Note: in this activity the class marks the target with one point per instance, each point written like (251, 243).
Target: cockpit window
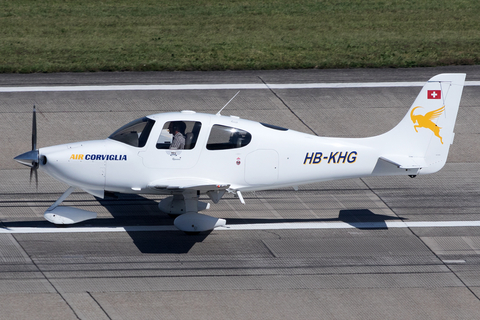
(179, 135)
(223, 137)
(134, 133)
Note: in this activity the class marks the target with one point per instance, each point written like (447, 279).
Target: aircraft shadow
(363, 219)
(138, 210)
(135, 210)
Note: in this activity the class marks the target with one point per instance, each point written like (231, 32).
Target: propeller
(31, 158)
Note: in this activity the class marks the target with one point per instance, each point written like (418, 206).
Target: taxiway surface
(377, 251)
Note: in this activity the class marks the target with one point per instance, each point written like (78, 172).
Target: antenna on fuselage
(218, 113)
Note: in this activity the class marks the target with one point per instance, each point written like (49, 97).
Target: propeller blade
(34, 129)
(33, 170)
(36, 178)
(31, 158)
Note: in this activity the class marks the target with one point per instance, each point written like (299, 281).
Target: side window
(179, 135)
(223, 137)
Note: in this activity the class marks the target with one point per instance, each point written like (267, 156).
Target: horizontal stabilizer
(405, 162)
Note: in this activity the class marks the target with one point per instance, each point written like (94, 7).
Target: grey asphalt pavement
(349, 273)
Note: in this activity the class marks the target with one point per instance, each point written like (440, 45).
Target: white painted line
(240, 86)
(436, 224)
(454, 261)
(86, 229)
(344, 225)
(345, 85)
(259, 226)
(135, 87)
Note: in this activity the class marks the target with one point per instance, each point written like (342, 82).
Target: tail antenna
(218, 113)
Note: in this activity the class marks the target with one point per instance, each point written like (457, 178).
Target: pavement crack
(286, 105)
(99, 305)
(47, 279)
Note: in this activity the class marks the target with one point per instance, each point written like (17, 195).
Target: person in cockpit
(177, 129)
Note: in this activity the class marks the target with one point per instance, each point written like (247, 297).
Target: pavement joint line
(472, 245)
(270, 208)
(306, 206)
(240, 86)
(259, 226)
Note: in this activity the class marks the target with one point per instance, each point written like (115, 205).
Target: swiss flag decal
(434, 94)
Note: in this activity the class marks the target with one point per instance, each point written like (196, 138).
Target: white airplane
(215, 154)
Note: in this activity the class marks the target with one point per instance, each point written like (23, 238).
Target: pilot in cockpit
(177, 129)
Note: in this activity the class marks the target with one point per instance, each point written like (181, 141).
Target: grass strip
(143, 35)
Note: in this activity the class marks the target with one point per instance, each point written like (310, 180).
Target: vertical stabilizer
(422, 139)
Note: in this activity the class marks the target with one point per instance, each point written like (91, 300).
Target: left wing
(182, 184)
(215, 191)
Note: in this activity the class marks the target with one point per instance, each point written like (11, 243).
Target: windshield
(134, 133)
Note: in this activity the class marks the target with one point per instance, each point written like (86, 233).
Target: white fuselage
(273, 158)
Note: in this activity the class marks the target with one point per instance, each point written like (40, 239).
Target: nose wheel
(184, 207)
(62, 216)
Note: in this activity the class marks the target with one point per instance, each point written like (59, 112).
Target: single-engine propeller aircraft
(215, 154)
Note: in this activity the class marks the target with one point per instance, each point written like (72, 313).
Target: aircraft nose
(29, 159)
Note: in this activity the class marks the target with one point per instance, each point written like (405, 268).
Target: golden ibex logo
(426, 121)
